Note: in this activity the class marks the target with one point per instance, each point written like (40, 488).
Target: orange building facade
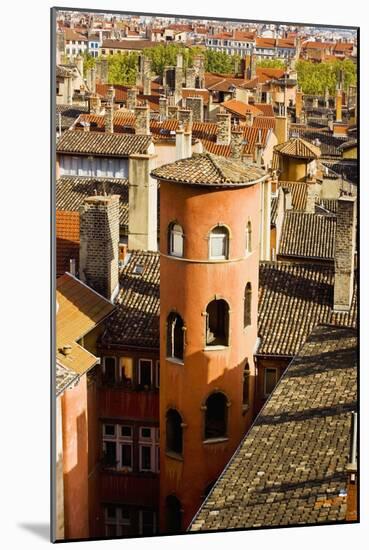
(208, 333)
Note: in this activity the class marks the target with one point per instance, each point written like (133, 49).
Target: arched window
(174, 440)
(247, 306)
(248, 238)
(216, 416)
(175, 336)
(173, 514)
(175, 240)
(219, 243)
(246, 384)
(217, 323)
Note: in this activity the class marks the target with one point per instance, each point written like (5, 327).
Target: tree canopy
(314, 78)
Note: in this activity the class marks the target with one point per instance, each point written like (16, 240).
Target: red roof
(240, 108)
(67, 240)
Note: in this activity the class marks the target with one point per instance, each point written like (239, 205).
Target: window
(217, 323)
(117, 521)
(148, 449)
(173, 514)
(219, 238)
(216, 416)
(246, 384)
(175, 336)
(118, 446)
(145, 374)
(247, 306)
(248, 238)
(270, 380)
(174, 440)
(175, 240)
(146, 522)
(109, 370)
(103, 52)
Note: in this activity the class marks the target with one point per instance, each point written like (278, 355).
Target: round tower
(209, 256)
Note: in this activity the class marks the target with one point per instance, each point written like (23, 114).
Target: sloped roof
(298, 193)
(293, 299)
(290, 469)
(309, 236)
(240, 108)
(65, 378)
(102, 143)
(79, 310)
(135, 323)
(67, 240)
(209, 169)
(298, 148)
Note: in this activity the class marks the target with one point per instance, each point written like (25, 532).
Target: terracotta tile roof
(329, 144)
(317, 45)
(290, 469)
(71, 191)
(135, 323)
(122, 120)
(329, 204)
(70, 34)
(251, 136)
(194, 92)
(267, 122)
(206, 130)
(267, 73)
(79, 310)
(345, 168)
(262, 42)
(127, 44)
(309, 236)
(299, 148)
(67, 240)
(209, 169)
(293, 299)
(102, 143)
(240, 108)
(266, 108)
(240, 36)
(65, 378)
(298, 192)
(273, 210)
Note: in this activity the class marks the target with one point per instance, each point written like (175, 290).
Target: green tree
(314, 78)
(122, 68)
(88, 62)
(271, 63)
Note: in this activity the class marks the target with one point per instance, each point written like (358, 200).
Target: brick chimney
(253, 66)
(190, 77)
(93, 80)
(199, 66)
(131, 98)
(178, 79)
(109, 110)
(99, 240)
(196, 104)
(104, 71)
(94, 104)
(142, 200)
(79, 63)
(163, 108)
(146, 81)
(142, 113)
(344, 255)
(224, 128)
(185, 116)
(237, 143)
(311, 195)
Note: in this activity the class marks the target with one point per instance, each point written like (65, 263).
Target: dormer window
(175, 240)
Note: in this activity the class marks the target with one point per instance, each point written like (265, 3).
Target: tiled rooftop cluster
(102, 143)
(290, 468)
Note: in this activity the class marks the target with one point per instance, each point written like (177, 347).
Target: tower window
(217, 323)
(246, 384)
(247, 306)
(216, 416)
(174, 441)
(248, 238)
(175, 240)
(175, 336)
(173, 514)
(219, 243)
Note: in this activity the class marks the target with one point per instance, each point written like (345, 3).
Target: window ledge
(215, 348)
(215, 440)
(173, 455)
(175, 360)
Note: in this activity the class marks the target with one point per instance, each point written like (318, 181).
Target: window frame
(118, 439)
(118, 522)
(152, 442)
(247, 305)
(226, 238)
(226, 419)
(171, 237)
(116, 377)
(275, 369)
(139, 375)
(172, 319)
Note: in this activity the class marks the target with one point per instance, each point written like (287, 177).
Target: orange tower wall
(187, 286)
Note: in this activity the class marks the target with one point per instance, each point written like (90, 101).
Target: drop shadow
(41, 530)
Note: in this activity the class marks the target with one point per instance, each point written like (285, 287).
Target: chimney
(109, 110)
(199, 65)
(224, 128)
(196, 104)
(298, 105)
(131, 98)
(93, 80)
(311, 196)
(142, 113)
(237, 143)
(253, 66)
(79, 63)
(104, 71)
(142, 200)
(287, 199)
(178, 79)
(187, 149)
(146, 79)
(69, 90)
(163, 108)
(344, 255)
(281, 129)
(99, 239)
(172, 111)
(88, 79)
(94, 104)
(315, 103)
(338, 105)
(190, 77)
(185, 116)
(180, 145)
